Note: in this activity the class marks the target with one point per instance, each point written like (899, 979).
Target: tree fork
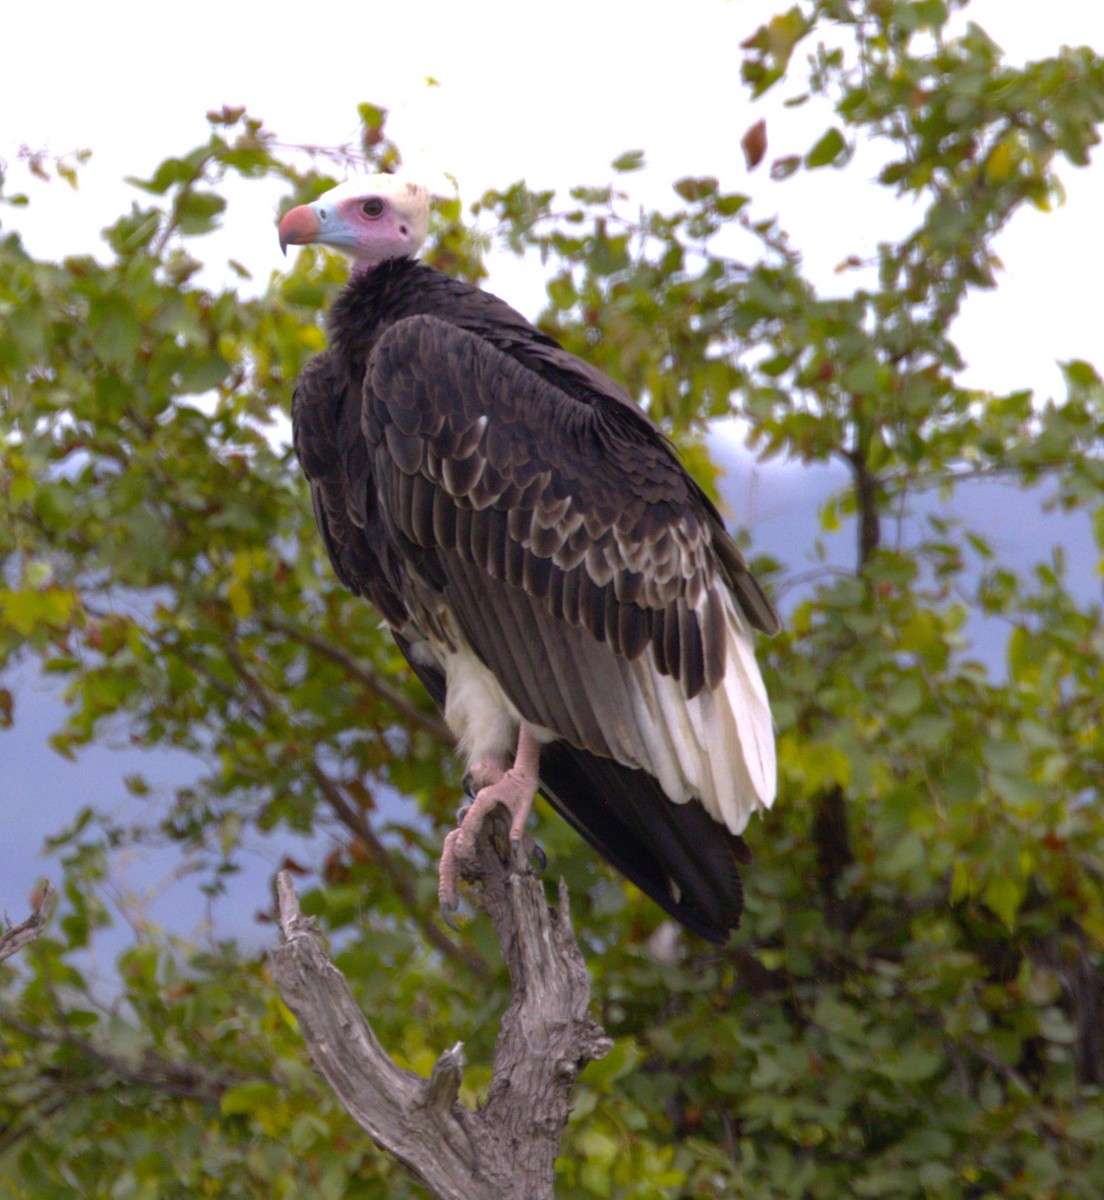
(507, 1149)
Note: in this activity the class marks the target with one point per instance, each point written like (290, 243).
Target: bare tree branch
(409, 712)
(14, 939)
(182, 1081)
(507, 1149)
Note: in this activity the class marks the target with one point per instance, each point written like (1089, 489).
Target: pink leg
(515, 790)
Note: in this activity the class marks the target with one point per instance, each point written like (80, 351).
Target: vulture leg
(514, 789)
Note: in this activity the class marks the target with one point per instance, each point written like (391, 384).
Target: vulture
(562, 587)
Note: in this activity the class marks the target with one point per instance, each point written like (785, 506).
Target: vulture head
(372, 218)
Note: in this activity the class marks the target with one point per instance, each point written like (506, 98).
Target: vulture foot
(514, 790)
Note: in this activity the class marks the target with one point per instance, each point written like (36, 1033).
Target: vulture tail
(675, 853)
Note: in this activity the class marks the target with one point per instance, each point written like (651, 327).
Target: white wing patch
(718, 747)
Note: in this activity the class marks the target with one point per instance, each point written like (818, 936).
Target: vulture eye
(372, 208)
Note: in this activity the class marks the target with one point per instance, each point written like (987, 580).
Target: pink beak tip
(298, 227)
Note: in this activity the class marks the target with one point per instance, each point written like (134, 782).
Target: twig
(368, 679)
(14, 939)
(507, 1149)
(177, 1079)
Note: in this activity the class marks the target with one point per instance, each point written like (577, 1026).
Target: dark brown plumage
(522, 526)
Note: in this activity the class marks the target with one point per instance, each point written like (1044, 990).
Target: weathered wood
(507, 1149)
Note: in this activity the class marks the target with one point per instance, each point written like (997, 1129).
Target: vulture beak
(299, 226)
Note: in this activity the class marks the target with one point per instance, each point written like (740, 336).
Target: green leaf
(1002, 160)
(631, 160)
(561, 291)
(30, 611)
(783, 32)
(783, 168)
(910, 1064)
(906, 855)
(115, 330)
(244, 1099)
(372, 116)
(827, 150)
(196, 211)
(200, 373)
(962, 880)
(1003, 895)
(694, 189)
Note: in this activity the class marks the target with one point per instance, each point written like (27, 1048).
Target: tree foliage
(915, 1003)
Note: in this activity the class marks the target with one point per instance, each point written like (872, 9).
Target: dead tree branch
(14, 939)
(506, 1150)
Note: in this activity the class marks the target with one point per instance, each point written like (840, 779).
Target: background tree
(915, 1003)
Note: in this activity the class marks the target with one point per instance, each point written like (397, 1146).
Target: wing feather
(336, 462)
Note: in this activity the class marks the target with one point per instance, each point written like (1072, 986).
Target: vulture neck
(374, 296)
(362, 267)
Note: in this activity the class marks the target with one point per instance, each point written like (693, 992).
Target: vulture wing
(579, 561)
(337, 463)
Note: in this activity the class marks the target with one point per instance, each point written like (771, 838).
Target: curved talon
(449, 909)
(461, 813)
(470, 787)
(539, 857)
